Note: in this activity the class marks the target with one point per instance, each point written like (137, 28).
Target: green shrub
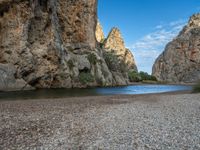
(102, 40)
(70, 64)
(146, 76)
(101, 45)
(142, 76)
(150, 82)
(112, 61)
(92, 58)
(196, 88)
(153, 78)
(85, 78)
(134, 76)
(123, 67)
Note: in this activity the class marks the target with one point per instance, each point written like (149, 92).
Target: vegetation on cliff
(141, 76)
(52, 44)
(85, 77)
(196, 88)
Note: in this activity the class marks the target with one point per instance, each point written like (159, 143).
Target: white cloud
(148, 48)
(159, 27)
(178, 22)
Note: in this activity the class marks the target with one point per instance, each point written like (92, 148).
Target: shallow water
(61, 93)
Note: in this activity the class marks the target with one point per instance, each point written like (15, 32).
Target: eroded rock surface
(51, 44)
(115, 44)
(124, 61)
(99, 33)
(8, 80)
(180, 62)
(44, 40)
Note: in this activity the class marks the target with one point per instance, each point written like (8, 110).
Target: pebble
(149, 122)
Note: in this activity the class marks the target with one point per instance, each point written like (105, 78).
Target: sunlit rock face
(115, 43)
(46, 44)
(99, 33)
(180, 62)
(51, 44)
(118, 58)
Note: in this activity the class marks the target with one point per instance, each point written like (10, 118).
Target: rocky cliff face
(50, 44)
(99, 33)
(180, 62)
(115, 44)
(120, 60)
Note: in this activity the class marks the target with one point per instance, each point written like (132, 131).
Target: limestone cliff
(99, 33)
(51, 44)
(115, 43)
(122, 58)
(180, 62)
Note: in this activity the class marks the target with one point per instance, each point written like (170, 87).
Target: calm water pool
(61, 93)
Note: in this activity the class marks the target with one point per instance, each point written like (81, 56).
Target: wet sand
(153, 121)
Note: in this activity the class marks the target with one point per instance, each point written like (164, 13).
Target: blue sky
(146, 25)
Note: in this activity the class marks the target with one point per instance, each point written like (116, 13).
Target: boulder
(8, 81)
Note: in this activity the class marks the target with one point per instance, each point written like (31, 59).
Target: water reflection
(61, 93)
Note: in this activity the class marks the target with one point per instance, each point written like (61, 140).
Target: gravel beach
(154, 121)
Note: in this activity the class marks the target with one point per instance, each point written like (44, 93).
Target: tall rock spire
(99, 33)
(115, 43)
